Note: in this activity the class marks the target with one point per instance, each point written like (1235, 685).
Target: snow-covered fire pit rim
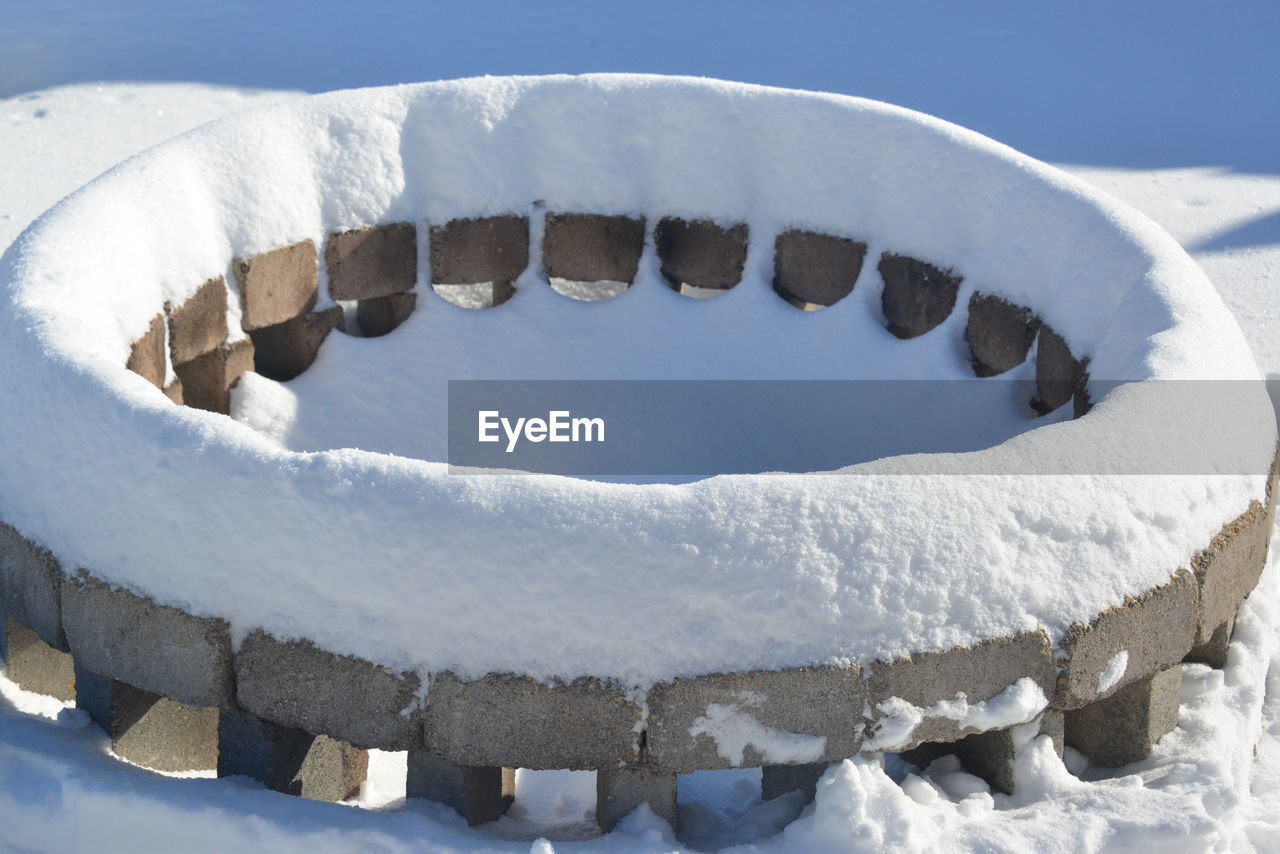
(398, 563)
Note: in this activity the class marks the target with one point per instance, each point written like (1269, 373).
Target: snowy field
(1174, 114)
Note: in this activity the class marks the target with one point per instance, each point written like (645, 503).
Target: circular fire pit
(275, 592)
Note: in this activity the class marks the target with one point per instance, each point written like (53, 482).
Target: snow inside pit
(323, 511)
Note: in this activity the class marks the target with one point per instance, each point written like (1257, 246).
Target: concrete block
(478, 794)
(1154, 631)
(31, 587)
(160, 649)
(699, 724)
(470, 251)
(276, 286)
(289, 760)
(1213, 651)
(146, 356)
(295, 684)
(592, 247)
(1229, 568)
(206, 381)
(999, 334)
(516, 721)
(917, 296)
(1058, 373)
(779, 780)
(979, 672)
(283, 351)
(34, 665)
(147, 729)
(815, 269)
(619, 791)
(381, 315)
(199, 325)
(990, 755)
(173, 391)
(700, 253)
(1123, 727)
(372, 262)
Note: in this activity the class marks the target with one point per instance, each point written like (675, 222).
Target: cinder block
(31, 587)
(1058, 373)
(516, 721)
(295, 684)
(1155, 630)
(173, 391)
(289, 760)
(779, 780)
(34, 665)
(199, 325)
(990, 755)
(592, 247)
(979, 672)
(283, 351)
(372, 262)
(276, 286)
(701, 253)
(705, 723)
(999, 334)
(118, 634)
(478, 794)
(917, 296)
(146, 357)
(381, 315)
(1123, 727)
(147, 729)
(815, 269)
(620, 790)
(1213, 651)
(1229, 568)
(206, 381)
(470, 251)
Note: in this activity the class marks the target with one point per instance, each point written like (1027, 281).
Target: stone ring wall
(176, 689)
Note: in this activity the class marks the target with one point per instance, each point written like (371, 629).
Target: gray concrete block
(1058, 373)
(990, 755)
(295, 684)
(819, 702)
(174, 392)
(381, 315)
(979, 672)
(700, 253)
(147, 729)
(917, 296)
(199, 325)
(289, 760)
(31, 587)
(283, 351)
(592, 247)
(516, 721)
(815, 269)
(1229, 568)
(1155, 630)
(33, 665)
(619, 791)
(1213, 651)
(276, 286)
(1123, 727)
(146, 356)
(779, 780)
(154, 647)
(470, 251)
(206, 381)
(372, 262)
(478, 794)
(999, 334)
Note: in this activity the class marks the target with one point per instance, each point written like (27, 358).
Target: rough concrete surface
(701, 253)
(999, 334)
(815, 269)
(276, 286)
(199, 325)
(283, 351)
(372, 262)
(917, 296)
(592, 247)
(1123, 727)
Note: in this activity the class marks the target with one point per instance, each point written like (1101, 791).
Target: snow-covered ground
(1174, 113)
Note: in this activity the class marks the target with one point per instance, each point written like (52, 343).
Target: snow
(1016, 704)
(1114, 671)
(733, 729)
(1192, 142)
